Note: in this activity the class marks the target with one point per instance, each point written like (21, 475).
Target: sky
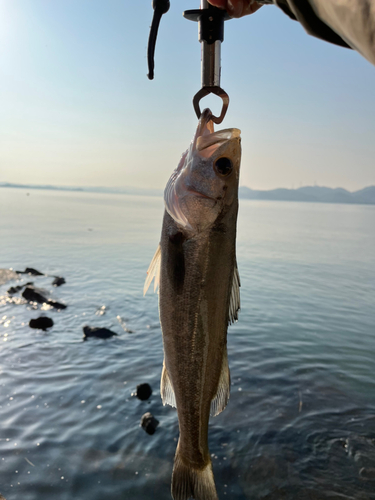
(77, 109)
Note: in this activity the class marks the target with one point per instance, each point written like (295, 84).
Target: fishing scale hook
(210, 34)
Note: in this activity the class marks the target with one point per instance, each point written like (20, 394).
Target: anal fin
(220, 401)
(166, 389)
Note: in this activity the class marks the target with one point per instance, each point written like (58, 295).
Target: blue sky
(77, 107)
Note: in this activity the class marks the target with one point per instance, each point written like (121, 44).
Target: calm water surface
(300, 423)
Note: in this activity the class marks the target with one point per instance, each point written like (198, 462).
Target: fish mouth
(206, 137)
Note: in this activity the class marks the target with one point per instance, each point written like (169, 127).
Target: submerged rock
(143, 392)
(41, 323)
(33, 295)
(149, 423)
(94, 331)
(58, 281)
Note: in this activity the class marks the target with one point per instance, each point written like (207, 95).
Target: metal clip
(203, 92)
(211, 34)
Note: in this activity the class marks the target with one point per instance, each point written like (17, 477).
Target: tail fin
(192, 483)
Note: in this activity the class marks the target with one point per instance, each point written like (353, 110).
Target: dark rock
(56, 305)
(32, 295)
(94, 331)
(144, 391)
(41, 323)
(14, 289)
(149, 423)
(58, 281)
(30, 270)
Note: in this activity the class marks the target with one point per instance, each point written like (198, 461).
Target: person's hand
(237, 8)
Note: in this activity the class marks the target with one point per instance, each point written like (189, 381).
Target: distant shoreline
(312, 194)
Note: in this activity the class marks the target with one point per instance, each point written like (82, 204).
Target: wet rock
(56, 305)
(149, 423)
(58, 281)
(41, 323)
(14, 289)
(101, 333)
(143, 391)
(1, 497)
(32, 271)
(32, 295)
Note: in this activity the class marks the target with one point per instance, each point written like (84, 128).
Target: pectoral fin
(166, 390)
(220, 401)
(234, 304)
(153, 271)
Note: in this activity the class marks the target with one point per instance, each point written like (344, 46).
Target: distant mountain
(318, 194)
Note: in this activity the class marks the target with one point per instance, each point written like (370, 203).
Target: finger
(237, 8)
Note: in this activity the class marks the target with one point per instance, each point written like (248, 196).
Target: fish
(195, 271)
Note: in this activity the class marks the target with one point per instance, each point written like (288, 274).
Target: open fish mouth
(206, 137)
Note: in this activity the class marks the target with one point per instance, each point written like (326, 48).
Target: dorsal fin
(234, 303)
(153, 271)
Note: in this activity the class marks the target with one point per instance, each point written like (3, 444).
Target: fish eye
(224, 166)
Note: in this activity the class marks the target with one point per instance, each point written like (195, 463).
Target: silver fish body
(195, 267)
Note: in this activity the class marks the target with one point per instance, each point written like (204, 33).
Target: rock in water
(58, 281)
(41, 323)
(32, 271)
(32, 295)
(101, 333)
(56, 305)
(14, 289)
(144, 391)
(149, 423)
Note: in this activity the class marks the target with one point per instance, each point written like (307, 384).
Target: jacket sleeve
(349, 23)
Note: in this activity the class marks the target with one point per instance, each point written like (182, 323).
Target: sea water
(300, 423)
